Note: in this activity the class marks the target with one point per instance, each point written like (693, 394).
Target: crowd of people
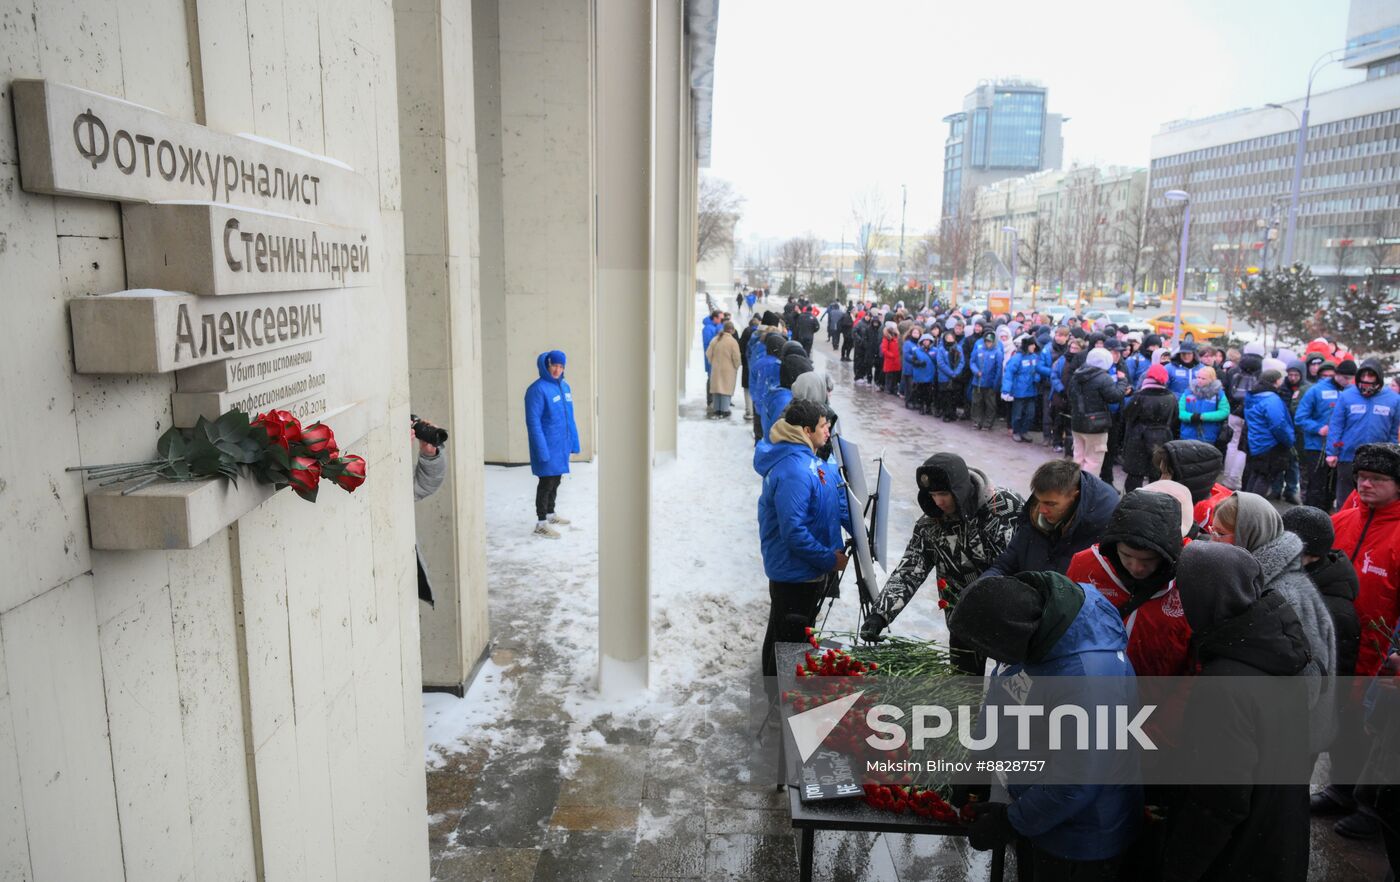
(1190, 570)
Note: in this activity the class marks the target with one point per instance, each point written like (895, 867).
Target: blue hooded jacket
(1315, 411)
(919, 362)
(1081, 822)
(708, 330)
(549, 420)
(1179, 377)
(1135, 366)
(774, 404)
(986, 363)
(1022, 371)
(767, 371)
(1358, 420)
(799, 512)
(949, 362)
(1268, 422)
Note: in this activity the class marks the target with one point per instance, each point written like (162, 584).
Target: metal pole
(1013, 270)
(903, 201)
(1181, 274)
(1297, 180)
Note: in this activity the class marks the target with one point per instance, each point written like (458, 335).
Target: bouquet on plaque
(273, 447)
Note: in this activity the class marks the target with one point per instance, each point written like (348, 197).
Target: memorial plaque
(73, 142)
(152, 332)
(219, 249)
(233, 374)
(305, 390)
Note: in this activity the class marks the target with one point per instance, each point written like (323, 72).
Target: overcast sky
(819, 101)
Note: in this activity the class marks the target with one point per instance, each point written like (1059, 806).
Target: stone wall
(248, 708)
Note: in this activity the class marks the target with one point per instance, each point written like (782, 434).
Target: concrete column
(666, 280)
(437, 141)
(686, 291)
(625, 65)
(532, 65)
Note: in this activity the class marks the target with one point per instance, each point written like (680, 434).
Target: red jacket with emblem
(1159, 639)
(1371, 539)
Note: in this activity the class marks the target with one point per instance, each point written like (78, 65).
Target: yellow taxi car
(1191, 323)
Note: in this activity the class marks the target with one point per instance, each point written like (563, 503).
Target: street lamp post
(1180, 196)
(1012, 231)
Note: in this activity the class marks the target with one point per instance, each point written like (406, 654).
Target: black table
(844, 814)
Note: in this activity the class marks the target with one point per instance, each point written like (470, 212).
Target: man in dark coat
(1196, 465)
(1066, 513)
(967, 522)
(744, 340)
(1236, 829)
(804, 329)
(845, 331)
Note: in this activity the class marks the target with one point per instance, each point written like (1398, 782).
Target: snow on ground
(709, 599)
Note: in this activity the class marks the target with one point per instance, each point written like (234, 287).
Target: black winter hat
(945, 473)
(1383, 459)
(773, 344)
(771, 319)
(1313, 526)
(1187, 346)
(999, 615)
(1152, 340)
(1347, 368)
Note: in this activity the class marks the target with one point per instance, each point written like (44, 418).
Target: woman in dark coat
(1233, 829)
(1149, 421)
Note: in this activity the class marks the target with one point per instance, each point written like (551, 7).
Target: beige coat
(724, 364)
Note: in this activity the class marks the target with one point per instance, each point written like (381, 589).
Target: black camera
(426, 433)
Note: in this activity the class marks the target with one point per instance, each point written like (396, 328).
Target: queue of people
(1189, 571)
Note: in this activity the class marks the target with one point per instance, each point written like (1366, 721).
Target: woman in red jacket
(892, 357)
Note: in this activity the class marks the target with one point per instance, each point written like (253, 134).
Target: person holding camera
(553, 434)
(428, 475)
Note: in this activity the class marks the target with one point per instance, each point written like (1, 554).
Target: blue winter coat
(948, 361)
(1209, 429)
(1358, 420)
(1268, 422)
(986, 363)
(919, 364)
(774, 404)
(767, 370)
(1022, 371)
(549, 423)
(1135, 366)
(1083, 822)
(1315, 411)
(1057, 375)
(799, 512)
(1180, 377)
(708, 330)
(905, 348)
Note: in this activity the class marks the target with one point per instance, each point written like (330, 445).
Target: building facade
(1004, 130)
(213, 681)
(1238, 169)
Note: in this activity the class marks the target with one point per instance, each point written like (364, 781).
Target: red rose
(942, 604)
(349, 472)
(282, 428)
(317, 438)
(305, 477)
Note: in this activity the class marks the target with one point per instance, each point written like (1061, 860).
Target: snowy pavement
(532, 777)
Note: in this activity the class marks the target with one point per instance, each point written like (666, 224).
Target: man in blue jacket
(1313, 414)
(1367, 413)
(799, 524)
(549, 423)
(1018, 385)
(767, 372)
(986, 363)
(1269, 430)
(1182, 370)
(1040, 626)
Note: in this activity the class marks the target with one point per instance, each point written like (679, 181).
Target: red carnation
(349, 472)
(305, 477)
(282, 428)
(317, 438)
(942, 604)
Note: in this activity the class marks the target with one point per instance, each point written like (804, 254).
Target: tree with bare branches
(868, 211)
(719, 210)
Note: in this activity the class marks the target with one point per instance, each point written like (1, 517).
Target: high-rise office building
(1003, 131)
(1238, 168)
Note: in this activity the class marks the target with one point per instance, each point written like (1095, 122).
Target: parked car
(1191, 323)
(1140, 299)
(1120, 318)
(1195, 295)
